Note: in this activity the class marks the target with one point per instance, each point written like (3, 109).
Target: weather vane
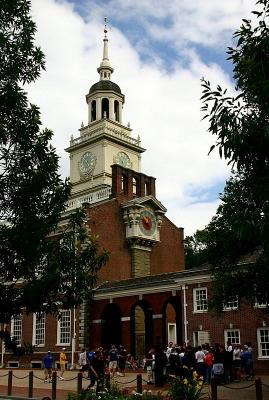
(105, 29)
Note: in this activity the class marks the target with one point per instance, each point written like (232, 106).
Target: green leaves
(238, 232)
(35, 272)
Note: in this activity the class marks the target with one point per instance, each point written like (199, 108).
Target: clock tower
(103, 142)
(105, 172)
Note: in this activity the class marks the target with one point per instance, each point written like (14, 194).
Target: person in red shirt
(208, 360)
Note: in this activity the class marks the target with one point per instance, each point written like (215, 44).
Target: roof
(105, 85)
(151, 280)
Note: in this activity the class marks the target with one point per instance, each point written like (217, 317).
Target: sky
(159, 51)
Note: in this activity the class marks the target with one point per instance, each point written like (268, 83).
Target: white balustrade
(91, 198)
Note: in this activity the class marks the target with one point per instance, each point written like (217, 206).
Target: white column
(185, 322)
(98, 108)
(111, 108)
(120, 112)
(89, 112)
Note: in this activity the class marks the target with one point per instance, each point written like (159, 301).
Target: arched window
(105, 75)
(93, 110)
(116, 110)
(105, 108)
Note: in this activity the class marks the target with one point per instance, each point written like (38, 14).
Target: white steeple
(105, 70)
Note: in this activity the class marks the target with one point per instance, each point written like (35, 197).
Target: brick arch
(148, 325)
(175, 302)
(111, 325)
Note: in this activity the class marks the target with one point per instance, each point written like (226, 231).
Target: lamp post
(3, 326)
(73, 344)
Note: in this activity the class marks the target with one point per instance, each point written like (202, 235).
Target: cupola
(105, 99)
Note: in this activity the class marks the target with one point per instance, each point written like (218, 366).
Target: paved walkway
(236, 391)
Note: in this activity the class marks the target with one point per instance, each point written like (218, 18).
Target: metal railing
(53, 390)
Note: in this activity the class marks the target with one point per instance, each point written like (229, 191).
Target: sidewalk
(244, 390)
(20, 383)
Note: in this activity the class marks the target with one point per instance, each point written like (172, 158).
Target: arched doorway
(172, 321)
(141, 328)
(111, 327)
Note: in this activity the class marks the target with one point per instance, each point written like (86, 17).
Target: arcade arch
(111, 326)
(141, 328)
(172, 320)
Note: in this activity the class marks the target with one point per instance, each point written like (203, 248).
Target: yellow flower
(185, 381)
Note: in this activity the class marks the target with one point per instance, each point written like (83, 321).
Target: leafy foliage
(241, 126)
(196, 249)
(35, 273)
(186, 389)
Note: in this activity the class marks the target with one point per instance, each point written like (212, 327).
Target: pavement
(244, 390)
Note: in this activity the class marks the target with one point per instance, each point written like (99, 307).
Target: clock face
(87, 162)
(147, 222)
(123, 159)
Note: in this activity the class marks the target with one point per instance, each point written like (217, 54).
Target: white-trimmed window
(39, 321)
(231, 304)
(64, 328)
(233, 335)
(263, 342)
(261, 305)
(200, 338)
(16, 329)
(200, 300)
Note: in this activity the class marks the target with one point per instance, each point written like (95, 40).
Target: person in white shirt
(200, 364)
(83, 362)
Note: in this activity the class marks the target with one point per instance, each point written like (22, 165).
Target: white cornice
(177, 285)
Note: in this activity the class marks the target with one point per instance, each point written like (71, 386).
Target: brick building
(144, 293)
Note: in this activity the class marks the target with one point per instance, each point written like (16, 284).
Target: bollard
(258, 386)
(54, 385)
(139, 383)
(31, 382)
(79, 383)
(9, 385)
(214, 389)
(107, 381)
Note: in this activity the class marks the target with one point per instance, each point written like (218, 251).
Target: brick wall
(168, 255)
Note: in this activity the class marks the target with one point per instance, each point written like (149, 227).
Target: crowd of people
(224, 363)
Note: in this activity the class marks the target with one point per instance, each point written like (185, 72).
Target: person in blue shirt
(48, 362)
(247, 361)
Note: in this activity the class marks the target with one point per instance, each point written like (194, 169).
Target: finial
(105, 28)
(105, 69)
(82, 125)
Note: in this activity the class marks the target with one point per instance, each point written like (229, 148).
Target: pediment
(146, 201)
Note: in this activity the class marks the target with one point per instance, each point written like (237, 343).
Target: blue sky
(159, 51)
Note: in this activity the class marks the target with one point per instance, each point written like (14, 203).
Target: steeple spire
(105, 70)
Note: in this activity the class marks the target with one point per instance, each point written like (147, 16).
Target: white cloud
(163, 107)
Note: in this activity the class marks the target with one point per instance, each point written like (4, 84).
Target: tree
(35, 273)
(241, 126)
(196, 249)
